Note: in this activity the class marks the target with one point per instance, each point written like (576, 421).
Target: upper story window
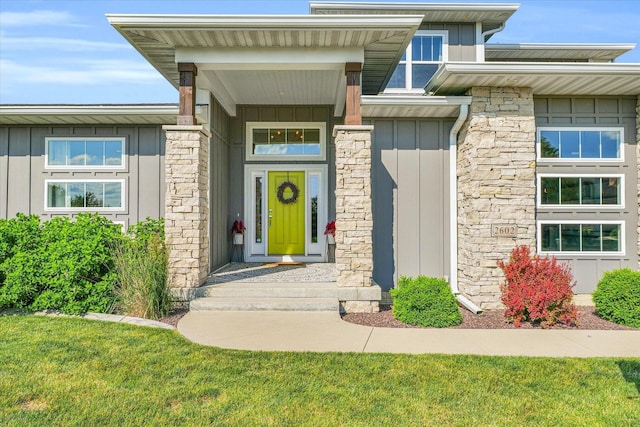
(286, 141)
(580, 144)
(85, 153)
(427, 50)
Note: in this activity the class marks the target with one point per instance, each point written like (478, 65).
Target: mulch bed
(174, 317)
(490, 319)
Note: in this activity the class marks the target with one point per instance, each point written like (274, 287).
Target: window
(84, 153)
(90, 195)
(580, 237)
(579, 144)
(285, 141)
(583, 191)
(314, 190)
(427, 50)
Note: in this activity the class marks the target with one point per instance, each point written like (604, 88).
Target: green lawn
(70, 371)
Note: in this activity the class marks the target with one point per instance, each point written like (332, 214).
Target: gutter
(487, 34)
(453, 212)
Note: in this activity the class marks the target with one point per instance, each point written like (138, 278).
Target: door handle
(270, 217)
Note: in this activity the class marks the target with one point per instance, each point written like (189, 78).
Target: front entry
(281, 225)
(286, 212)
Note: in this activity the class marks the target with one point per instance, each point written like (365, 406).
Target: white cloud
(36, 17)
(89, 72)
(57, 43)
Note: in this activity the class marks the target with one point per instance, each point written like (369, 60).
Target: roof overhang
(88, 114)
(455, 78)
(600, 52)
(491, 15)
(281, 59)
(386, 106)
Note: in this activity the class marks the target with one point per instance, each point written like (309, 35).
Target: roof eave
(545, 72)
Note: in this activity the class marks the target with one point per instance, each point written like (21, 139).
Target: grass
(68, 371)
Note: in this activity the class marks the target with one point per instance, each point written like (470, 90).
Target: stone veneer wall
(496, 186)
(354, 218)
(187, 205)
(638, 166)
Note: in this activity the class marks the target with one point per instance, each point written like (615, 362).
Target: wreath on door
(295, 192)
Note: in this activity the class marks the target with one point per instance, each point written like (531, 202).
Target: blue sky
(66, 51)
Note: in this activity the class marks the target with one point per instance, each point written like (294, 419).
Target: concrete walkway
(327, 332)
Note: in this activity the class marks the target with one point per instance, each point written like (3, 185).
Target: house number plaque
(504, 230)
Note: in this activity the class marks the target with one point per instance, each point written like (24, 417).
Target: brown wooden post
(352, 108)
(187, 109)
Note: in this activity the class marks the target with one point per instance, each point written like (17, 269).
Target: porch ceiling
(544, 78)
(216, 43)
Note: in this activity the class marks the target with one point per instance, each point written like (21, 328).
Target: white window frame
(321, 126)
(579, 207)
(123, 226)
(621, 238)
(122, 140)
(579, 129)
(122, 208)
(408, 62)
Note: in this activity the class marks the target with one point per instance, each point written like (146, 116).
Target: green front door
(285, 216)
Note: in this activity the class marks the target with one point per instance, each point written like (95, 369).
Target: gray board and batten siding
(585, 112)
(219, 194)
(23, 172)
(461, 39)
(410, 198)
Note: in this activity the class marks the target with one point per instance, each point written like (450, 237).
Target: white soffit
(546, 78)
(88, 114)
(546, 51)
(491, 15)
(386, 106)
(161, 39)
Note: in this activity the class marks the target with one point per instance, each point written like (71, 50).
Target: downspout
(453, 211)
(492, 32)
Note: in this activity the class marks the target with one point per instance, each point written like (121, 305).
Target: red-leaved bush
(537, 289)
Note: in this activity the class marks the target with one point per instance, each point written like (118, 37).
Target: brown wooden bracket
(187, 108)
(353, 71)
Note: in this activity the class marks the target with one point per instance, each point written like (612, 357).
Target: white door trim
(258, 252)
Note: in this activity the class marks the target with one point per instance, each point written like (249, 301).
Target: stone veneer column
(187, 204)
(638, 167)
(354, 218)
(496, 186)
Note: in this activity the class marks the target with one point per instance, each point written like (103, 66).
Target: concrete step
(250, 290)
(264, 304)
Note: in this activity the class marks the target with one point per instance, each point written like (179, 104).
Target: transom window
(285, 141)
(588, 190)
(427, 50)
(88, 195)
(580, 143)
(580, 237)
(85, 153)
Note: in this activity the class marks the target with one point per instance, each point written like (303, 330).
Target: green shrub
(66, 264)
(617, 297)
(425, 301)
(141, 267)
(17, 235)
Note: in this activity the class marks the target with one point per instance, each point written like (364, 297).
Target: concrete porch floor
(255, 272)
